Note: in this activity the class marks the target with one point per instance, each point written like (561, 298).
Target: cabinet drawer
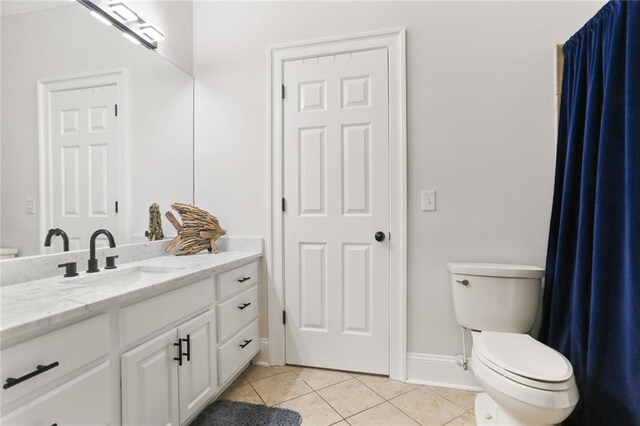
(237, 312)
(144, 318)
(231, 355)
(236, 280)
(63, 351)
(85, 400)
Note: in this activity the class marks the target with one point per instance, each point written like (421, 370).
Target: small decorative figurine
(155, 224)
(199, 230)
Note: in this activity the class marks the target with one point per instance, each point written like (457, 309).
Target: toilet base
(485, 409)
(489, 413)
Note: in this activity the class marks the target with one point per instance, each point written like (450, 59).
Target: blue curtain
(592, 285)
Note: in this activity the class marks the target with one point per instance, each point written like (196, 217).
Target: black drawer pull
(246, 343)
(39, 370)
(241, 280)
(188, 353)
(179, 357)
(244, 305)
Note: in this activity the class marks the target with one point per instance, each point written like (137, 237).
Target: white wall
(480, 127)
(175, 19)
(64, 41)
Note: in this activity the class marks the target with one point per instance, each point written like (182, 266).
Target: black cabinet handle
(39, 370)
(241, 280)
(246, 343)
(244, 305)
(188, 353)
(179, 357)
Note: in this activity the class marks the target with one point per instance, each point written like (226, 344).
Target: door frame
(394, 41)
(45, 88)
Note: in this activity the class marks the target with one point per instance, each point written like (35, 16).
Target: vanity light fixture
(151, 32)
(100, 18)
(103, 11)
(124, 12)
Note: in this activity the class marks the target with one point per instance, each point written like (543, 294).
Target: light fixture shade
(151, 32)
(123, 12)
(100, 18)
(130, 38)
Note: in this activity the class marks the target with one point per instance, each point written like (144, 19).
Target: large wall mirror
(94, 130)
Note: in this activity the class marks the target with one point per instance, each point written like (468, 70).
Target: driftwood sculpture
(155, 224)
(199, 230)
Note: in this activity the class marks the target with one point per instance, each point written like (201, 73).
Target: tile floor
(326, 397)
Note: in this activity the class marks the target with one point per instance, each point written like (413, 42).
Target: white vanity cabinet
(238, 334)
(166, 380)
(46, 362)
(156, 359)
(84, 400)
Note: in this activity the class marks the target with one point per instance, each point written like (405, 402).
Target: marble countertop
(33, 305)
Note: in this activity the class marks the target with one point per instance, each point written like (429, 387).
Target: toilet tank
(493, 297)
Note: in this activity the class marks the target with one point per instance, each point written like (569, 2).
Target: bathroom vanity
(151, 342)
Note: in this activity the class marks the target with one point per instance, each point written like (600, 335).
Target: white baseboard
(422, 369)
(439, 370)
(262, 358)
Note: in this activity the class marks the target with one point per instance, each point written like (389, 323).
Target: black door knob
(379, 236)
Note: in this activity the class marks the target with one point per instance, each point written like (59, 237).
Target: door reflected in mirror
(94, 130)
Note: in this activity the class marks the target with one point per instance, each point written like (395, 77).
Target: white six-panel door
(336, 186)
(84, 162)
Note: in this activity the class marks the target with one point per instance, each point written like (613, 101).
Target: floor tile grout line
(362, 411)
(331, 406)
(395, 396)
(268, 377)
(451, 401)
(417, 421)
(358, 379)
(445, 398)
(365, 385)
(405, 413)
(291, 399)
(452, 420)
(343, 417)
(257, 393)
(324, 387)
(400, 394)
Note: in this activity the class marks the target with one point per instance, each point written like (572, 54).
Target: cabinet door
(84, 400)
(198, 373)
(150, 383)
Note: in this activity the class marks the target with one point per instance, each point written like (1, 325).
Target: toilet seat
(521, 358)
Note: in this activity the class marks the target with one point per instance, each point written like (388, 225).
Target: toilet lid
(523, 355)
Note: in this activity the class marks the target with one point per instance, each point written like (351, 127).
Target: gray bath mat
(233, 413)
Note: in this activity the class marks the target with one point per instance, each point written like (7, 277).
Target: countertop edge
(181, 278)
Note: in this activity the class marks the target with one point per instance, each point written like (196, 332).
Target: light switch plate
(31, 206)
(428, 200)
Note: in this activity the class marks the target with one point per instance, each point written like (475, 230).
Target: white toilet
(526, 382)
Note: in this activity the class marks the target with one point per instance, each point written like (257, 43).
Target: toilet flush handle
(463, 282)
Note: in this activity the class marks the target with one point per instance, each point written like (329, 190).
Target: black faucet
(60, 232)
(93, 262)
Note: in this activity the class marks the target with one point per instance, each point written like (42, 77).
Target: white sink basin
(122, 276)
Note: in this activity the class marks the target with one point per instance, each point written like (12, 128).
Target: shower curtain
(592, 285)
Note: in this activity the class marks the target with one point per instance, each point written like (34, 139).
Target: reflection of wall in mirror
(158, 108)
